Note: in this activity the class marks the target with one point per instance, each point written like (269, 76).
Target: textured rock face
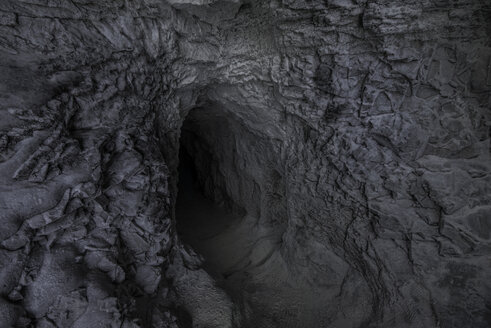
(357, 133)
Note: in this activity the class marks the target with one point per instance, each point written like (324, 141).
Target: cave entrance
(230, 209)
(207, 219)
(198, 216)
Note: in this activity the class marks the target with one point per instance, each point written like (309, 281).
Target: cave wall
(86, 201)
(361, 128)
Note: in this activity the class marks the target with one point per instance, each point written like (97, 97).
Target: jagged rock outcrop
(357, 132)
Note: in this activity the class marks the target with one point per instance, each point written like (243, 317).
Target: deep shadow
(198, 217)
(242, 254)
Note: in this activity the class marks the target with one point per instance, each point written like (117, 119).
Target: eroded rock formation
(352, 135)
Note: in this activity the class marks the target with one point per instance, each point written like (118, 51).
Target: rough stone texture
(358, 131)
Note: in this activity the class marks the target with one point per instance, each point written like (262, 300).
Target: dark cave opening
(207, 156)
(197, 215)
(204, 211)
(229, 209)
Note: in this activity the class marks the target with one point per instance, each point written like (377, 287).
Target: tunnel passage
(231, 210)
(207, 155)
(209, 201)
(226, 165)
(203, 207)
(211, 211)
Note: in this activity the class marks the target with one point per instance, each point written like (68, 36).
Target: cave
(232, 210)
(218, 212)
(245, 163)
(203, 207)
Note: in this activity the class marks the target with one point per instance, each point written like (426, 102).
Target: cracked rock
(245, 163)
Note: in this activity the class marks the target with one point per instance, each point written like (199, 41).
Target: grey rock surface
(351, 137)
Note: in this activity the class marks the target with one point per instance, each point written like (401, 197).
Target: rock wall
(358, 130)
